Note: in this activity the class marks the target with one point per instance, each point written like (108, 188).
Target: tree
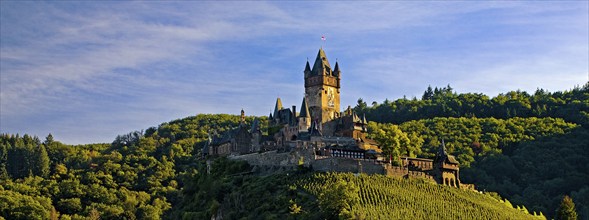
(41, 162)
(566, 210)
(3, 161)
(339, 199)
(428, 94)
(392, 139)
(48, 140)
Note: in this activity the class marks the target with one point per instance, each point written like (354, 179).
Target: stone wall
(273, 161)
(339, 164)
(273, 158)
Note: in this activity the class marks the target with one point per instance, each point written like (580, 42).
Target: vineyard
(382, 197)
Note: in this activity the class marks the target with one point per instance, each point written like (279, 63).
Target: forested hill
(569, 105)
(531, 157)
(531, 148)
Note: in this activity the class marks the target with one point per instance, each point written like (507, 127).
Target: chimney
(294, 111)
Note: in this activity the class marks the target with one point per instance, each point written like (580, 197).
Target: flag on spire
(323, 37)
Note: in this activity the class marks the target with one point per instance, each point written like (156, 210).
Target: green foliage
(566, 210)
(573, 106)
(537, 173)
(383, 197)
(138, 176)
(392, 140)
(468, 138)
(158, 173)
(14, 205)
(41, 162)
(338, 199)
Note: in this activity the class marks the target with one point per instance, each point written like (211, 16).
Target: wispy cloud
(86, 71)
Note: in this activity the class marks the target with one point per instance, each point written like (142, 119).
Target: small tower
(277, 108)
(304, 117)
(446, 167)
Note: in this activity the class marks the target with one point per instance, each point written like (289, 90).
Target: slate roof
(304, 109)
(321, 63)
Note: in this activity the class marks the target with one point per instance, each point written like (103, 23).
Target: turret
(277, 108)
(304, 117)
(336, 71)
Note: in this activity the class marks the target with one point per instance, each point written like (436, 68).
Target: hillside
(382, 197)
(532, 156)
(308, 195)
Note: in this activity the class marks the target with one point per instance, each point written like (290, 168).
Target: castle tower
(304, 117)
(322, 89)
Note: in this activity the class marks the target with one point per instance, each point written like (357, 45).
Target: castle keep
(322, 137)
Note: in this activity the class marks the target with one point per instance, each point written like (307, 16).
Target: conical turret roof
(321, 63)
(304, 109)
(336, 71)
(277, 107)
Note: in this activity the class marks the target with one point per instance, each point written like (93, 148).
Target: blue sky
(88, 71)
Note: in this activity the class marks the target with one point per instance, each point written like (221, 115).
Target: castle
(321, 136)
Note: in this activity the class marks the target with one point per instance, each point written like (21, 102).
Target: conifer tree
(48, 140)
(566, 210)
(41, 161)
(3, 161)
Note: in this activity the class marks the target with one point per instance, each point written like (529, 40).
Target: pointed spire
(304, 109)
(315, 129)
(277, 107)
(364, 119)
(255, 125)
(355, 117)
(270, 117)
(336, 71)
(321, 65)
(307, 67)
(443, 146)
(442, 151)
